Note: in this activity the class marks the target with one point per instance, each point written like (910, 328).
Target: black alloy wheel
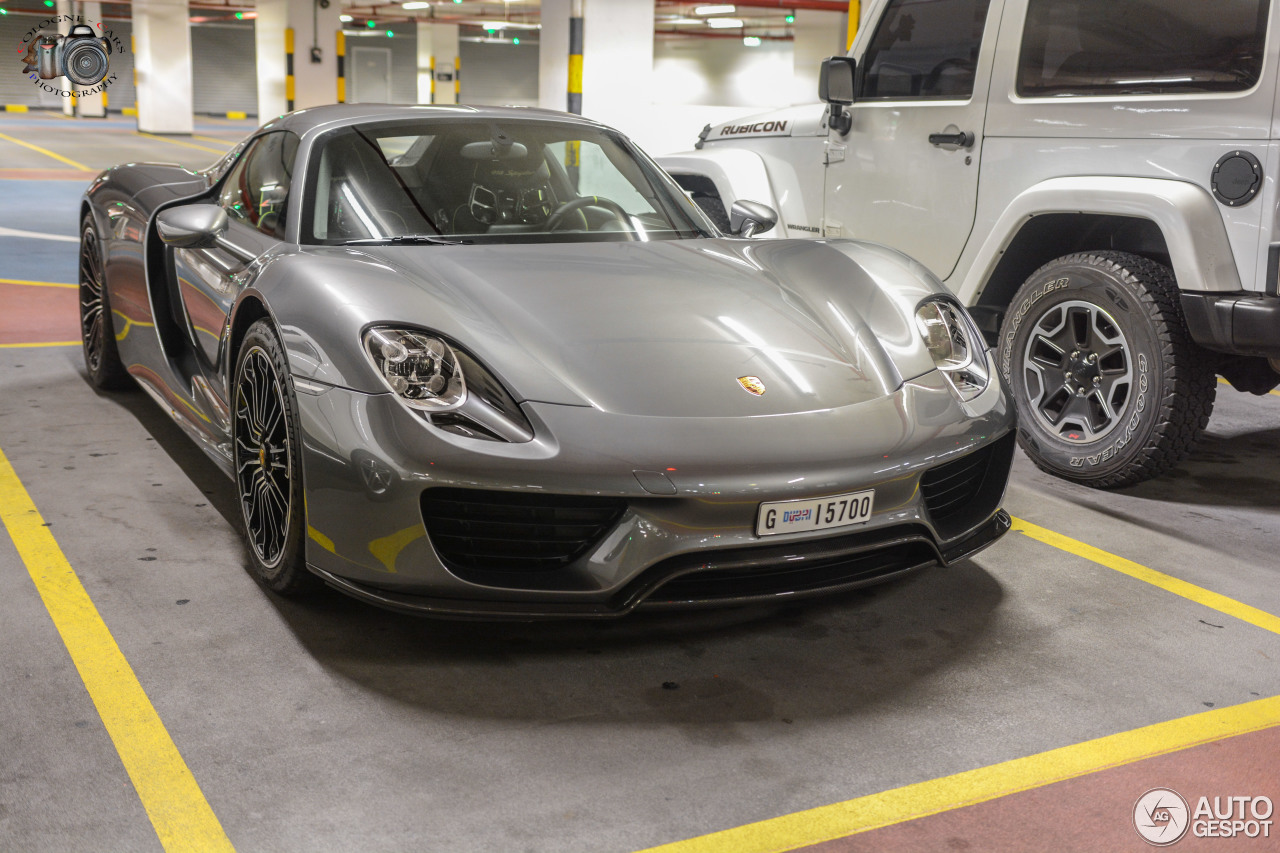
(267, 464)
(1110, 388)
(97, 331)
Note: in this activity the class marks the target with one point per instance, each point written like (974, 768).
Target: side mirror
(835, 87)
(748, 218)
(192, 226)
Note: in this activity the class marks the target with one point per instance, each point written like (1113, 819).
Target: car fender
(1185, 213)
(736, 173)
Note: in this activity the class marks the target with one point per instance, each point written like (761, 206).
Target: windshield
(490, 181)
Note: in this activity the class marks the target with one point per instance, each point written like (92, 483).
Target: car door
(906, 174)
(255, 196)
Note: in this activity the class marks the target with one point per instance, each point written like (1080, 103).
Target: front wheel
(268, 463)
(97, 331)
(1109, 386)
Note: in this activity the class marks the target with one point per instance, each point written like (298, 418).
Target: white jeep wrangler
(1095, 178)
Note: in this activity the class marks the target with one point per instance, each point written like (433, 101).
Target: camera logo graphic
(80, 56)
(1161, 817)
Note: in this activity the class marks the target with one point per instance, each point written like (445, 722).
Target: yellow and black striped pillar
(288, 69)
(855, 13)
(575, 58)
(342, 67)
(133, 52)
(457, 79)
(431, 66)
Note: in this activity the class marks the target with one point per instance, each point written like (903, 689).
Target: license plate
(818, 514)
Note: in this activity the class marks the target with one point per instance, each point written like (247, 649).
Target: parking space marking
(1200, 595)
(876, 811)
(178, 142)
(179, 812)
(41, 344)
(26, 283)
(72, 163)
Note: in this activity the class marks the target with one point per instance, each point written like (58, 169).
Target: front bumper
(368, 462)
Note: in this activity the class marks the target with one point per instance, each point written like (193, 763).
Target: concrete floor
(329, 725)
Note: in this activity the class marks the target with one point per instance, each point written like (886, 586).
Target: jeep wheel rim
(1078, 371)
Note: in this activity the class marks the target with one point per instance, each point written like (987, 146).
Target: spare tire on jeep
(1110, 388)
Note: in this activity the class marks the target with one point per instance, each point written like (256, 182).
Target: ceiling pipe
(789, 5)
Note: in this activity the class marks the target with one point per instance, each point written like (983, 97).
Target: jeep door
(906, 174)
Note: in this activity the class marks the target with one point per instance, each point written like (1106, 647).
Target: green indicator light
(4, 11)
(791, 19)
(370, 24)
(515, 41)
(239, 16)
(390, 34)
(49, 3)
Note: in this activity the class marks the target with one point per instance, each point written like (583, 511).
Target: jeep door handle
(963, 139)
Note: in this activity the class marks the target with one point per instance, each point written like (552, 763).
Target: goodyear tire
(1109, 386)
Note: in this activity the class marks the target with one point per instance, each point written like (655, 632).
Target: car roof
(337, 115)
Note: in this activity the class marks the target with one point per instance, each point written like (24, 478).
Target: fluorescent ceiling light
(751, 41)
(724, 23)
(346, 19)
(721, 9)
(415, 5)
(508, 25)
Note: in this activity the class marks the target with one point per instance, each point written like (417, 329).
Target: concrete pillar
(443, 48)
(162, 55)
(426, 65)
(315, 60)
(818, 35)
(93, 106)
(617, 58)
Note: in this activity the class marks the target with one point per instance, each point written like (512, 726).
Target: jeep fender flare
(736, 173)
(1186, 214)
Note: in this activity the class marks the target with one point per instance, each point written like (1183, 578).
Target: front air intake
(486, 531)
(966, 491)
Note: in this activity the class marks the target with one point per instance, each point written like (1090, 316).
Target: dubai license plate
(819, 514)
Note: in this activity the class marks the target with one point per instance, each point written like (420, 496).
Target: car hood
(664, 328)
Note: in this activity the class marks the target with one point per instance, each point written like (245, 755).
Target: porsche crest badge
(752, 385)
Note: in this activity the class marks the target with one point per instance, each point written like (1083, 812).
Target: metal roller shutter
(224, 69)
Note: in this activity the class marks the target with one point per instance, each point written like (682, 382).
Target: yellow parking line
(72, 163)
(178, 810)
(934, 796)
(26, 283)
(1199, 595)
(971, 787)
(177, 142)
(212, 139)
(43, 344)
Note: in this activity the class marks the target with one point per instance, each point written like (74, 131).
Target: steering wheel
(557, 219)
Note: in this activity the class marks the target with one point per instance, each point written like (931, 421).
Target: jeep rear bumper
(1240, 323)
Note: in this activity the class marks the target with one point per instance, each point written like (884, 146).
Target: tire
(1110, 388)
(268, 465)
(97, 331)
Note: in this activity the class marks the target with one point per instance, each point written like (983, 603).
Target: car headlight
(445, 384)
(956, 345)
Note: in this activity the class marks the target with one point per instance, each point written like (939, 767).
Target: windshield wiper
(407, 239)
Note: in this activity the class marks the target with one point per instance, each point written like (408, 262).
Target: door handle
(963, 139)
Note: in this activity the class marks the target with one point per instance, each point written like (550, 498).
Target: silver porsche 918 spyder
(493, 362)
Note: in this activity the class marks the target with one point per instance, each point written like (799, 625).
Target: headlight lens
(421, 369)
(956, 345)
(445, 384)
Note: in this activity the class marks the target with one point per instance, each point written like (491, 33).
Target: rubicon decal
(760, 128)
(82, 56)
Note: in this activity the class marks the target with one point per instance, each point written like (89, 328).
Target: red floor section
(38, 314)
(1095, 813)
(48, 175)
